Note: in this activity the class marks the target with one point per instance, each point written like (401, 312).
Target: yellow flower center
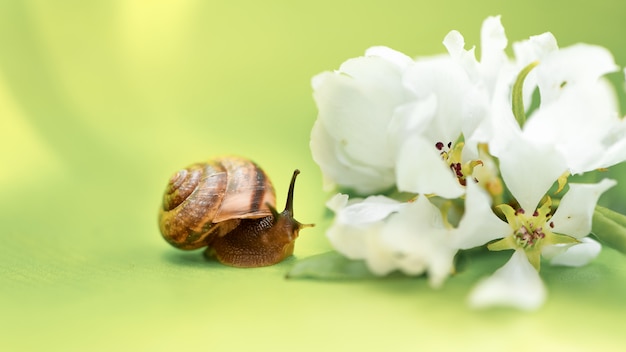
(530, 232)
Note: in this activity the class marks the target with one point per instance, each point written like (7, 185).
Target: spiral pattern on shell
(209, 199)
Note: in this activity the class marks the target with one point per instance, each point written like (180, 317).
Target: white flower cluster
(479, 144)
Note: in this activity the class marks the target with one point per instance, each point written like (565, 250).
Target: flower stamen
(452, 156)
(530, 233)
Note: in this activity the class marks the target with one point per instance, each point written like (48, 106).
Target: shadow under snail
(228, 205)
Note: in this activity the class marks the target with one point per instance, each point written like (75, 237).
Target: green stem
(610, 228)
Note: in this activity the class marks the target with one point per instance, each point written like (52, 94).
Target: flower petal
(419, 241)
(615, 150)
(350, 240)
(411, 119)
(419, 169)
(535, 48)
(573, 217)
(338, 169)
(579, 64)
(517, 284)
(529, 169)
(448, 82)
(577, 255)
(372, 209)
(355, 109)
(441, 266)
(493, 41)
(566, 123)
(380, 258)
(337, 202)
(399, 59)
(356, 103)
(357, 226)
(479, 224)
(455, 44)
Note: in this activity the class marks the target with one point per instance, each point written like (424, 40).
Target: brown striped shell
(208, 200)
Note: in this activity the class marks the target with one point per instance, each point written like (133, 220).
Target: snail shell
(228, 205)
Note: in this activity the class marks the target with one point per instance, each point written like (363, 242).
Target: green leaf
(330, 266)
(518, 94)
(610, 227)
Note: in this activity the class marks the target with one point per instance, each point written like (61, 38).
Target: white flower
(411, 237)
(578, 114)
(356, 103)
(384, 119)
(532, 158)
(452, 98)
(449, 126)
(534, 234)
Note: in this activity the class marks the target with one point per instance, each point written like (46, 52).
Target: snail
(228, 205)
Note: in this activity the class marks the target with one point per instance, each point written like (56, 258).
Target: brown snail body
(228, 205)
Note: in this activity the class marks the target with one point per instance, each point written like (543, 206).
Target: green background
(101, 101)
